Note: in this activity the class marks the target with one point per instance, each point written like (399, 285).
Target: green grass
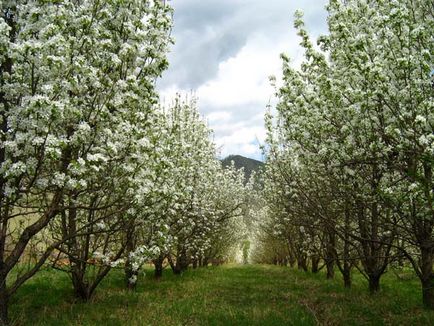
(229, 295)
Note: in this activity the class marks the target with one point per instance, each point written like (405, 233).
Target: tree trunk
(428, 292)
(330, 254)
(158, 263)
(4, 320)
(181, 261)
(347, 265)
(130, 274)
(374, 283)
(78, 266)
(330, 269)
(315, 264)
(292, 260)
(302, 264)
(81, 288)
(347, 278)
(174, 266)
(130, 278)
(427, 277)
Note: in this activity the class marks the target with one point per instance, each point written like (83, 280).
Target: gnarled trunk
(130, 273)
(302, 263)
(427, 277)
(315, 264)
(330, 253)
(346, 264)
(347, 278)
(174, 266)
(374, 283)
(330, 265)
(4, 300)
(428, 292)
(81, 288)
(182, 262)
(158, 264)
(292, 260)
(131, 279)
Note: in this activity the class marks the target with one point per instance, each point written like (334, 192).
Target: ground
(226, 295)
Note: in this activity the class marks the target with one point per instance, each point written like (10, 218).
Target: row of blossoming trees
(94, 174)
(349, 178)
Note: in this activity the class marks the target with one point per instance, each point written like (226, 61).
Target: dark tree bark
(427, 277)
(174, 266)
(81, 287)
(158, 264)
(422, 229)
(182, 262)
(347, 278)
(330, 265)
(427, 244)
(428, 292)
(292, 260)
(302, 263)
(347, 263)
(330, 253)
(315, 264)
(130, 245)
(374, 283)
(375, 251)
(4, 301)
(130, 275)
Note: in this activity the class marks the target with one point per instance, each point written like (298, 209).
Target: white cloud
(244, 78)
(219, 116)
(234, 97)
(242, 139)
(242, 83)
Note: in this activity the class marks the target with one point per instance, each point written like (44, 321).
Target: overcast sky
(225, 51)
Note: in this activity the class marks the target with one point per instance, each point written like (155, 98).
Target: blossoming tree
(357, 122)
(75, 78)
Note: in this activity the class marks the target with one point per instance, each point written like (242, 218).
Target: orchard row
(349, 181)
(94, 173)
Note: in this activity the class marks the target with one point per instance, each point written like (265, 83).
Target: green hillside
(248, 164)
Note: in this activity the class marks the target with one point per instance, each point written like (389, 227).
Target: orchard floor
(227, 295)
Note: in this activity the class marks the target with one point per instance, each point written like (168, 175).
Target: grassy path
(231, 295)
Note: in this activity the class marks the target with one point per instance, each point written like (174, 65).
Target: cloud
(225, 51)
(219, 116)
(245, 140)
(243, 78)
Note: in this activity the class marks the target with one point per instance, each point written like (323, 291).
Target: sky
(225, 51)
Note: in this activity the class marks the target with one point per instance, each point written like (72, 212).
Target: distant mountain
(248, 164)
